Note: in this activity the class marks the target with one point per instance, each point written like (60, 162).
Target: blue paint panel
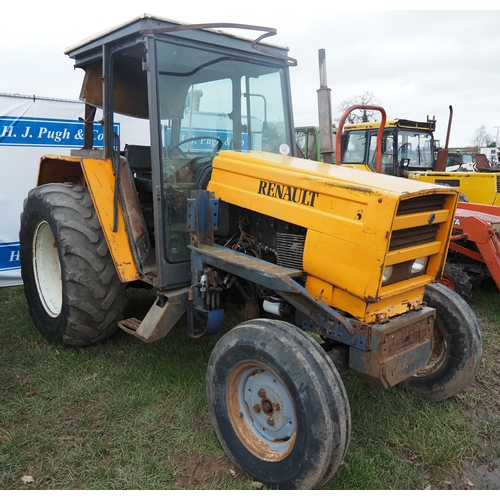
(17, 131)
(9, 256)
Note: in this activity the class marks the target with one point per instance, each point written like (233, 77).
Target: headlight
(419, 265)
(387, 273)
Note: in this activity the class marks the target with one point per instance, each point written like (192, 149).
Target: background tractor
(215, 210)
(409, 150)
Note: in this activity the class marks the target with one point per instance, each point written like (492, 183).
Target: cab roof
(91, 48)
(429, 126)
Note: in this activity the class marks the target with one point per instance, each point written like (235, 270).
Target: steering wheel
(216, 149)
(405, 145)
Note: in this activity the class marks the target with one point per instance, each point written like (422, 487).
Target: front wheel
(73, 292)
(457, 347)
(278, 404)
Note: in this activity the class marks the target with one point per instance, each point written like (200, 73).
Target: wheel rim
(439, 351)
(448, 283)
(47, 269)
(261, 411)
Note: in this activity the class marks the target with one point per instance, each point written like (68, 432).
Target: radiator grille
(403, 238)
(411, 237)
(290, 250)
(418, 235)
(421, 204)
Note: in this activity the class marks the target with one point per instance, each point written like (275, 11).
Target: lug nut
(270, 421)
(262, 393)
(256, 408)
(276, 407)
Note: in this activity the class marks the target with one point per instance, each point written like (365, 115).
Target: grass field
(128, 415)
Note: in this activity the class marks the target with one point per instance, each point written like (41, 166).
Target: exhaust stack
(325, 112)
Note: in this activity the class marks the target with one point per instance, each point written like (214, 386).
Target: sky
(415, 62)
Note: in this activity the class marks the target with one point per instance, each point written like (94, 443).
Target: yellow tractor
(216, 205)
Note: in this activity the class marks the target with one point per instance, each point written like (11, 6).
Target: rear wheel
(73, 292)
(457, 347)
(278, 404)
(455, 278)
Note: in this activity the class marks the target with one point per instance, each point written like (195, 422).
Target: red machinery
(474, 254)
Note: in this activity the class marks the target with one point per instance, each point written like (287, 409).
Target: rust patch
(408, 336)
(349, 187)
(370, 299)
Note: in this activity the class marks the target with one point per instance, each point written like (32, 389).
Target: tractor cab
(199, 93)
(406, 146)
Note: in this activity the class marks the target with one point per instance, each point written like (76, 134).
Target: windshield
(236, 101)
(400, 147)
(211, 101)
(354, 148)
(307, 145)
(415, 147)
(455, 159)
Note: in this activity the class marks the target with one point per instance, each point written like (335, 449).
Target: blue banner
(53, 132)
(9, 256)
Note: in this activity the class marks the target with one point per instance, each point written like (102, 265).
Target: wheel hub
(266, 398)
(448, 283)
(47, 269)
(439, 352)
(261, 411)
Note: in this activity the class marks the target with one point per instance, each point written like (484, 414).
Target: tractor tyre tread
(460, 279)
(319, 396)
(464, 347)
(93, 297)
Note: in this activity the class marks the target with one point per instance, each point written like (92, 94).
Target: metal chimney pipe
(326, 141)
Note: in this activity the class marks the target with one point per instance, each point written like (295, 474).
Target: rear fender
(97, 174)
(59, 169)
